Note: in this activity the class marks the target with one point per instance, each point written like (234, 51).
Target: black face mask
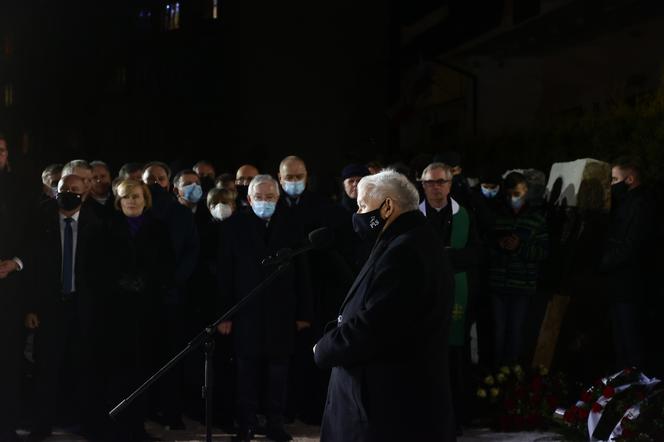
(368, 225)
(242, 192)
(207, 183)
(155, 188)
(618, 192)
(68, 201)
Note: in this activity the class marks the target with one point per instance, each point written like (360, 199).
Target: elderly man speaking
(388, 352)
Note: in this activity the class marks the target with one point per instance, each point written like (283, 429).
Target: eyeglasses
(431, 183)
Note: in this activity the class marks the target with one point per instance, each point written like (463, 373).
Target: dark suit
(186, 245)
(102, 211)
(331, 277)
(11, 329)
(264, 331)
(390, 380)
(68, 325)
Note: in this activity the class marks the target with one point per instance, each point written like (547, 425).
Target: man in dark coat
(331, 277)
(625, 260)
(186, 246)
(390, 376)
(264, 330)
(67, 272)
(11, 214)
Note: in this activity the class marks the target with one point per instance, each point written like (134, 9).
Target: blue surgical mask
(517, 202)
(263, 209)
(192, 192)
(490, 193)
(294, 188)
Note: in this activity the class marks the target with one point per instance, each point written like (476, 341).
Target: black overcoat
(626, 259)
(390, 376)
(266, 325)
(141, 272)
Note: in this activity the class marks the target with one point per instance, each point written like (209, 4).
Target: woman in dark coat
(142, 268)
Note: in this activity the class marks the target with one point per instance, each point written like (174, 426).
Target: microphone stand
(205, 338)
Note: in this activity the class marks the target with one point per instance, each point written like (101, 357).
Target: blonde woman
(142, 265)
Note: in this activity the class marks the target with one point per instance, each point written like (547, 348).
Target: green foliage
(629, 127)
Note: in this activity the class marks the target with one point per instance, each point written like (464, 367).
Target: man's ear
(388, 207)
(629, 180)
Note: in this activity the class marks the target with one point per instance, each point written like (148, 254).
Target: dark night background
(332, 82)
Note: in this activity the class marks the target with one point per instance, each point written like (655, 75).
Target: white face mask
(221, 211)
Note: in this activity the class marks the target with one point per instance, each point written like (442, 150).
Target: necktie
(68, 258)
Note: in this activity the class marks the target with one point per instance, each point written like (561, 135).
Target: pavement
(306, 433)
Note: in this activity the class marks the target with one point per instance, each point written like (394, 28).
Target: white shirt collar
(455, 207)
(74, 216)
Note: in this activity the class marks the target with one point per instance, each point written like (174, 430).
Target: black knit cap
(354, 169)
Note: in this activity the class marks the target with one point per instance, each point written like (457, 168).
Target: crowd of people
(111, 275)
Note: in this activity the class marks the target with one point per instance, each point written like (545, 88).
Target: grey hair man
(381, 199)
(82, 169)
(437, 184)
(401, 302)
(50, 177)
(263, 195)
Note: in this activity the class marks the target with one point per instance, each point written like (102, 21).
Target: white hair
(442, 166)
(261, 179)
(70, 167)
(49, 171)
(392, 184)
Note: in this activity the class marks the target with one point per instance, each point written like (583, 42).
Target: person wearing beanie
(350, 176)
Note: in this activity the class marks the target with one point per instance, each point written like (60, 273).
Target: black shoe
(278, 434)
(243, 435)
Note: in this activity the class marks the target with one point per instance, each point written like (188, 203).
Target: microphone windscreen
(321, 237)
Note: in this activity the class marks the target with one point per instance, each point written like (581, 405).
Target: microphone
(318, 239)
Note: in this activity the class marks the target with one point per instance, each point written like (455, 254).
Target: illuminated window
(215, 9)
(172, 16)
(9, 95)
